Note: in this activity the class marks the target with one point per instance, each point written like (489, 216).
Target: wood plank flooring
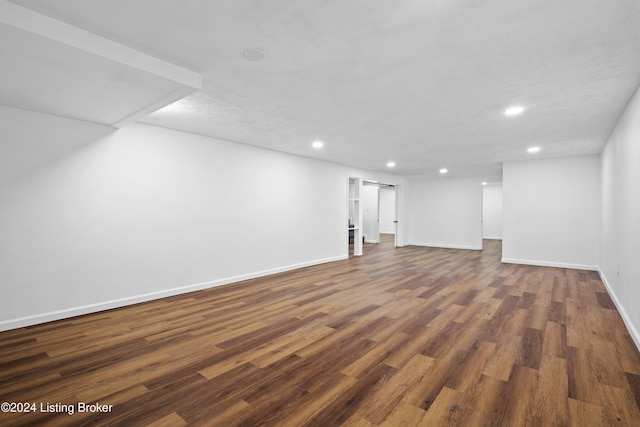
(399, 337)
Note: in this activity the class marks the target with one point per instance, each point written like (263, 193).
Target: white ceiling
(52, 67)
(421, 82)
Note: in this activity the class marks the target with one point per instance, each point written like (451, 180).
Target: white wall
(446, 212)
(551, 212)
(492, 211)
(93, 218)
(387, 210)
(620, 253)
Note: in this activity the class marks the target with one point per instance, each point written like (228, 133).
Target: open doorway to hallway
(492, 211)
(373, 213)
(379, 211)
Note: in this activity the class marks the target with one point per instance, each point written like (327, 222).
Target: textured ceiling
(422, 83)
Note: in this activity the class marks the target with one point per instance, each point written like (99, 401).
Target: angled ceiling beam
(57, 31)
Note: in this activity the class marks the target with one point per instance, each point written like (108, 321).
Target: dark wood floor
(399, 337)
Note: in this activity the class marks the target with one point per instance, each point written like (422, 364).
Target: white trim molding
(123, 302)
(625, 317)
(446, 246)
(550, 264)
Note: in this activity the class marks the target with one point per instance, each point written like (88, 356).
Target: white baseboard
(623, 313)
(6, 325)
(446, 246)
(550, 264)
(492, 238)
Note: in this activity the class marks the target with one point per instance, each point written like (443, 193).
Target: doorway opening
(373, 214)
(492, 212)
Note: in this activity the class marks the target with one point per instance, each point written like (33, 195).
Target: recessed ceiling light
(391, 164)
(533, 149)
(444, 170)
(484, 183)
(514, 111)
(317, 144)
(254, 54)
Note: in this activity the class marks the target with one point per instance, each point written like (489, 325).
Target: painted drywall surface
(551, 212)
(387, 210)
(105, 218)
(492, 211)
(620, 251)
(26, 149)
(446, 212)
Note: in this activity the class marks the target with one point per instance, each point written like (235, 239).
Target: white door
(370, 212)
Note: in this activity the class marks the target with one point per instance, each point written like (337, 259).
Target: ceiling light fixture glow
(317, 145)
(514, 111)
(444, 170)
(484, 182)
(391, 164)
(254, 54)
(533, 149)
(175, 108)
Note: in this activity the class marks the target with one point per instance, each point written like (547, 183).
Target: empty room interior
(389, 213)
